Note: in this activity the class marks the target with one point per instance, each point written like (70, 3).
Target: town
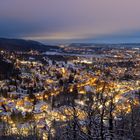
(88, 92)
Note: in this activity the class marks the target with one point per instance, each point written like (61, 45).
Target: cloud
(74, 19)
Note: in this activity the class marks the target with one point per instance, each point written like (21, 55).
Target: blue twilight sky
(71, 20)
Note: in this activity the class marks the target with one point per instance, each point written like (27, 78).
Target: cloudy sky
(71, 20)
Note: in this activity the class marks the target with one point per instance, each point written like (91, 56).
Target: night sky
(71, 20)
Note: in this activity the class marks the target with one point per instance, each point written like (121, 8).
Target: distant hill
(23, 45)
(131, 45)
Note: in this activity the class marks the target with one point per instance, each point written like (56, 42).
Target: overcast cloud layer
(89, 20)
